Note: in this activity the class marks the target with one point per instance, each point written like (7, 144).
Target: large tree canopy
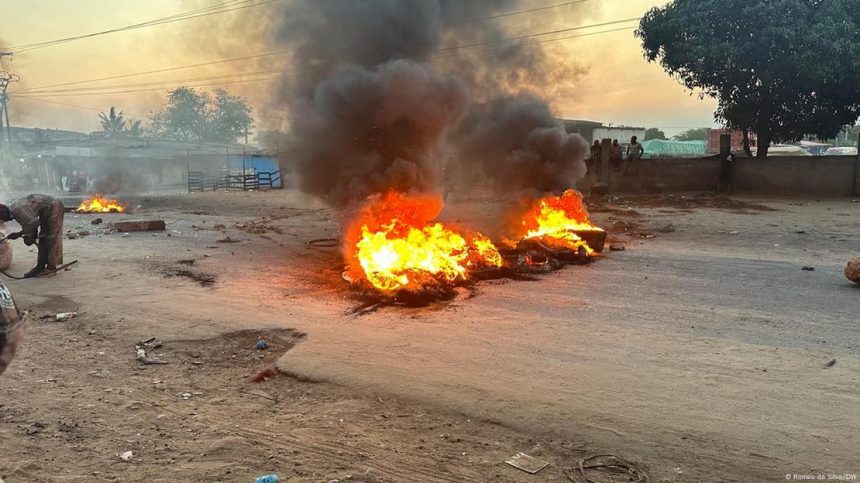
(780, 68)
(192, 115)
(654, 133)
(696, 134)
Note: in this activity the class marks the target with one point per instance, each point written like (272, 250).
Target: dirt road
(698, 354)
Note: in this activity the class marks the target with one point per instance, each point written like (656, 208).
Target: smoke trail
(377, 86)
(520, 145)
(366, 132)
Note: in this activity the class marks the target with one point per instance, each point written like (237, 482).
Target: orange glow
(555, 219)
(99, 204)
(394, 245)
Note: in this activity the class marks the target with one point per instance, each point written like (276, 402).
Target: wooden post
(725, 181)
(856, 187)
(605, 147)
(188, 168)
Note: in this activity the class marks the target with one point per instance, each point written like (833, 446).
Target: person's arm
(29, 226)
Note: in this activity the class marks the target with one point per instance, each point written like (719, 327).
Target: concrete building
(593, 130)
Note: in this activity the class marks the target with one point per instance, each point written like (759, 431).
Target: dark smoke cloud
(520, 145)
(326, 34)
(377, 86)
(366, 132)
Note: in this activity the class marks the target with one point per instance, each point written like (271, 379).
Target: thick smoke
(367, 132)
(520, 145)
(377, 87)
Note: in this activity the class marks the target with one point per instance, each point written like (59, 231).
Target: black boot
(37, 271)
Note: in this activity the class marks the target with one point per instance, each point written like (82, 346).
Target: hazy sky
(617, 85)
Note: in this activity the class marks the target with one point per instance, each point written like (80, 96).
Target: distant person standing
(634, 152)
(727, 165)
(596, 152)
(615, 155)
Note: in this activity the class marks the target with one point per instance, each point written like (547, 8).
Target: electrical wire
(44, 90)
(519, 12)
(144, 84)
(538, 34)
(157, 71)
(86, 108)
(270, 78)
(230, 6)
(440, 57)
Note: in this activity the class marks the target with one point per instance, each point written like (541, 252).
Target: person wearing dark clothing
(41, 218)
(11, 327)
(727, 164)
(616, 156)
(594, 162)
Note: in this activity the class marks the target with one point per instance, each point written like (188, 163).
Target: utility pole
(5, 79)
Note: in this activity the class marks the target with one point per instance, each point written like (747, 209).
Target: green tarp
(657, 148)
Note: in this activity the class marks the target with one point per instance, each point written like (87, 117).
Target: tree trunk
(747, 149)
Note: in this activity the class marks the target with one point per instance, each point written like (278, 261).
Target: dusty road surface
(703, 352)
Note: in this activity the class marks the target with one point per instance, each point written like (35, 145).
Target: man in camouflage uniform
(11, 327)
(41, 218)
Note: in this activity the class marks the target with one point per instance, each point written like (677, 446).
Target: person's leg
(55, 253)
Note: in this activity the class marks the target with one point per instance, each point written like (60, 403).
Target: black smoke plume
(376, 88)
(521, 146)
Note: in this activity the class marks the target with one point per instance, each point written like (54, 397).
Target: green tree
(135, 129)
(697, 134)
(229, 118)
(192, 115)
(654, 133)
(185, 116)
(779, 68)
(113, 123)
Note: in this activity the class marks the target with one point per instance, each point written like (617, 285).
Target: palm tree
(113, 124)
(135, 129)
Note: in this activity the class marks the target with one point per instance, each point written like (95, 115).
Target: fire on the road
(555, 220)
(99, 204)
(394, 244)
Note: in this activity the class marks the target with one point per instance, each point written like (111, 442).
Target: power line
(44, 91)
(519, 12)
(158, 21)
(230, 6)
(440, 57)
(156, 88)
(538, 34)
(145, 84)
(74, 105)
(448, 49)
(158, 71)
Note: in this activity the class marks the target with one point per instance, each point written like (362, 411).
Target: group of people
(41, 220)
(634, 152)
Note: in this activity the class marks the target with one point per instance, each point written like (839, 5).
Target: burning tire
(11, 327)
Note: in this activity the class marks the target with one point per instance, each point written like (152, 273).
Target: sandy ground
(698, 354)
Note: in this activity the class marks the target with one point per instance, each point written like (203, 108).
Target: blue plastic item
(261, 344)
(273, 478)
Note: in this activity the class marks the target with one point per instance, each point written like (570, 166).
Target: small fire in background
(393, 244)
(99, 204)
(560, 222)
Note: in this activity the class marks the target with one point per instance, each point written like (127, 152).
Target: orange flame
(394, 245)
(99, 204)
(555, 219)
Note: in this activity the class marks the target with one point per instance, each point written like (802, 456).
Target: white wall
(622, 134)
